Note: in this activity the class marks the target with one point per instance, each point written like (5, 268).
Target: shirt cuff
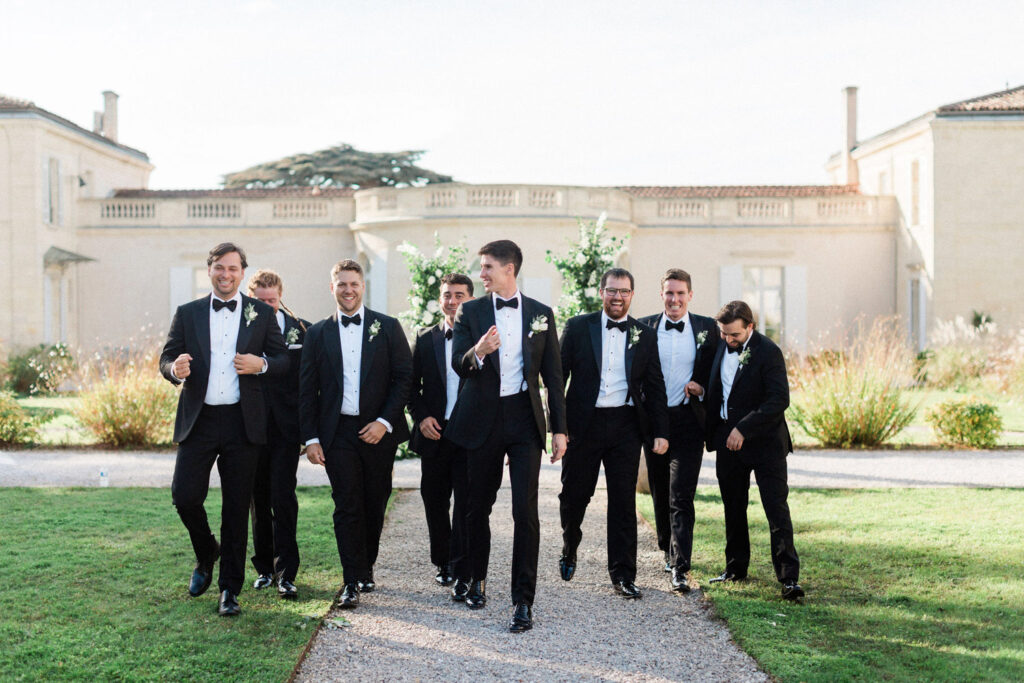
(264, 366)
(385, 423)
(479, 361)
(312, 441)
(175, 377)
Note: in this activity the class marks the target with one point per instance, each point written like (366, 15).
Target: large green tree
(339, 166)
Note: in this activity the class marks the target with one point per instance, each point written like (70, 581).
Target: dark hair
(458, 279)
(226, 248)
(616, 272)
(736, 310)
(505, 252)
(676, 274)
(346, 264)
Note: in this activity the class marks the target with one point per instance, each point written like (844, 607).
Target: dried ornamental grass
(16, 425)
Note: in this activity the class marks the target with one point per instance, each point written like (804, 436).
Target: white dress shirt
(280, 320)
(351, 356)
(222, 385)
(730, 365)
(509, 322)
(451, 377)
(614, 388)
(677, 352)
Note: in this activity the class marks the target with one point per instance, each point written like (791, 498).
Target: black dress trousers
(443, 473)
(275, 508)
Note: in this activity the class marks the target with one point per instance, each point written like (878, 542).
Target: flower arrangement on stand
(581, 268)
(425, 272)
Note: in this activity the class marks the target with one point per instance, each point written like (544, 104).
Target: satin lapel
(437, 338)
(369, 348)
(595, 341)
(631, 350)
(527, 313)
(332, 344)
(752, 345)
(488, 321)
(202, 322)
(715, 381)
(244, 330)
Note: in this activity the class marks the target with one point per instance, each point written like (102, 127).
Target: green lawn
(95, 588)
(902, 584)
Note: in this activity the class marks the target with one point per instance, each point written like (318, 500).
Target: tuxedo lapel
(488, 321)
(752, 348)
(369, 347)
(715, 381)
(244, 328)
(202, 322)
(526, 311)
(630, 348)
(437, 338)
(332, 342)
(595, 340)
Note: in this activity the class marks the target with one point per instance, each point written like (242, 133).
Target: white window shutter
(181, 286)
(794, 308)
(730, 284)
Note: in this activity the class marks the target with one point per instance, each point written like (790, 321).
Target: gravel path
(409, 630)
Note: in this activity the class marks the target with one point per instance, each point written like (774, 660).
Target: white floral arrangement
(744, 357)
(634, 336)
(250, 314)
(292, 337)
(701, 338)
(537, 325)
(374, 330)
(425, 273)
(581, 268)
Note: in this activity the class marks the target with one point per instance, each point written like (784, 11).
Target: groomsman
(748, 394)
(216, 348)
(616, 392)
(274, 507)
(435, 386)
(354, 383)
(686, 345)
(503, 344)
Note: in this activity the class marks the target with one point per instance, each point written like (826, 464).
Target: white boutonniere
(292, 336)
(250, 314)
(701, 338)
(744, 357)
(538, 324)
(374, 329)
(634, 336)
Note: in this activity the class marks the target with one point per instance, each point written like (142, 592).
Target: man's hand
(248, 364)
(373, 432)
(559, 444)
(181, 366)
(430, 428)
(488, 343)
(735, 440)
(660, 446)
(694, 389)
(315, 454)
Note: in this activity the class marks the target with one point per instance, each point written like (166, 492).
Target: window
(201, 285)
(915, 193)
(762, 289)
(53, 212)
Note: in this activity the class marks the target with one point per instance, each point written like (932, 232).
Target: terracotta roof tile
(239, 193)
(1004, 100)
(667, 191)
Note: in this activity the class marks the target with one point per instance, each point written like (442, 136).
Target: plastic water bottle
(104, 481)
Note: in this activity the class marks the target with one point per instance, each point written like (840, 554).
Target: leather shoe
(727, 576)
(680, 580)
(476, 598)
(349, 596)
(459, 590)
(668, 563)
(202, 575)
(443, 577)
(287, 590)
(263, 581)
(367, 586)
(628, 590)
(566, 567)
(522, 619)
(228, 605)
(791, 590)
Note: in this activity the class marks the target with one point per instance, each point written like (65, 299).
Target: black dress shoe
(680, 580)
(668, 563)
(443, 577)
(459, 590)
(287, 590)
(228, 605)
(522, 618)
(628, 590)
(476, 598)
(566, 567)
(349, 596)
(727, 576)
(263, 581)
(202, 575)
(367, 586)
(791, 590)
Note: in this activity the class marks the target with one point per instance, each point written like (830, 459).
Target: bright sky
(589, 92)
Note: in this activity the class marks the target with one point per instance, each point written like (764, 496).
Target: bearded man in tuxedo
(504, 343)
(217, 348)
(615, 401)
(748, 393)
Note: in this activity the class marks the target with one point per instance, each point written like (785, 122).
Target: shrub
(856, 397)
(40, 369)
(582, 267)
(966, 422)
(16, 425)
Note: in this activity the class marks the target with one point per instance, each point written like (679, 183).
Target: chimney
(849, 169)
(110, 115)
(97, 122)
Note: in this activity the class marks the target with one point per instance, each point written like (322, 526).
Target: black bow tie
(448, 333)
(230, 305)
(500, 303)
(681, 325)
(622, 325)
(729, 349)
(354, 320)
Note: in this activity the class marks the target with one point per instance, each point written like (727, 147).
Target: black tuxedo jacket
(282, 392)
(757, 401)
(190, 333)
(429, 395)
(477, 407)
(581, 365)
(385, 374)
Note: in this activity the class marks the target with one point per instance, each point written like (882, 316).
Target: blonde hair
(269, 279)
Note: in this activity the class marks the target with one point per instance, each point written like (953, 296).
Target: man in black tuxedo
(354, 382)
(503, 344)
(748, 393)
(686, 345)
(274, 507)
(615, 401)
(216, 348)
(435, 387)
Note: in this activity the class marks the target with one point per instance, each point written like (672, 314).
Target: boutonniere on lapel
(538, 324)
(701, 338)
(292, 337)
(374, 330)
(634, 336)
(250, 314)
(744, 357)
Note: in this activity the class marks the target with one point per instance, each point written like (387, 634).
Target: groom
(503, 343)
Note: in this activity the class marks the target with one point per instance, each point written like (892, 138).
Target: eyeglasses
(617, 292)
